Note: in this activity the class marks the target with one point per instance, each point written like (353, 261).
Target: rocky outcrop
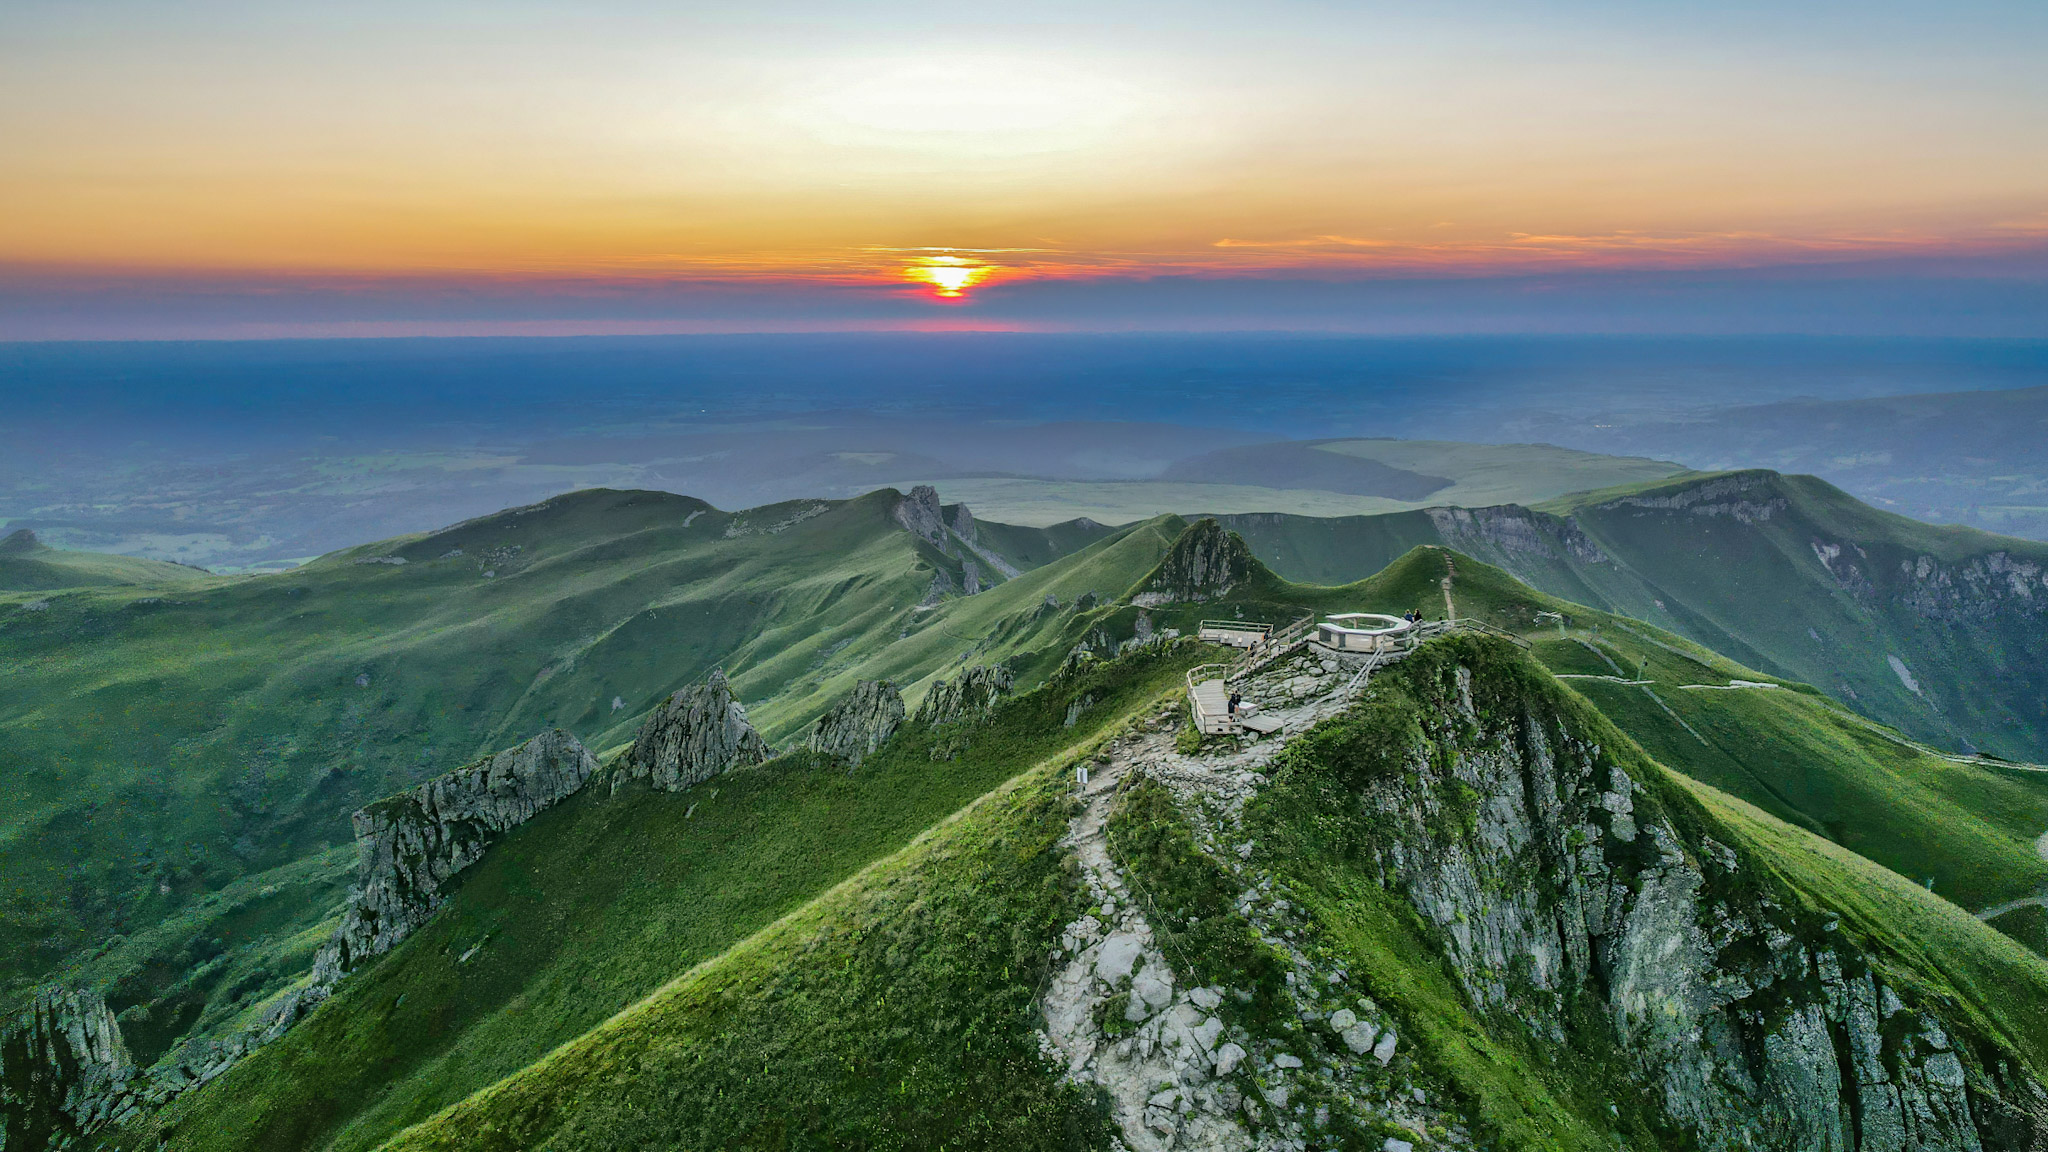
(1983, 588)
(860, 723)
(700, 732)
(1509, 532)
(967, 698)
(921, 514)
(410, 844)
(1750, 497)
(21, 542)
(63, 1068)
(1552, 879)
(64, 1071)
(1204, 562)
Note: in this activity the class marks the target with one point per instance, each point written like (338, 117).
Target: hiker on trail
(1236, 698)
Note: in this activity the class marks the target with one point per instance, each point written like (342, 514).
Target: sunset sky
(219, 168)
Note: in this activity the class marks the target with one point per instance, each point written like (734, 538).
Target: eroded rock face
(1563, 879)
(860, 723)
(700, 732)
(408, 845)
(63, 1071)
(1750, 497)
(1511, 532)
(920, 513)
(967, 698)
(1205, 562)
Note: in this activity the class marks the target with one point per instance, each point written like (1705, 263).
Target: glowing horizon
(940, 158)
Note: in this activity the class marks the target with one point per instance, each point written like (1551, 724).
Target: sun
(950, 277)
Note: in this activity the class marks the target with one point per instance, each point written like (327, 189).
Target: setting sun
(950, 277)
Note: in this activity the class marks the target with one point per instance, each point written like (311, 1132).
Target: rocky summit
(1205, 562)
(698, 733)
(921, 514)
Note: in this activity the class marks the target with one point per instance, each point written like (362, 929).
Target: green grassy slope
(594, 594)
(1968, 826)
(162, 751)
(1011, 622)
(537, 946)
(1784, 573)
(896, 1012)
(1823, 588)
(1029, 548)
(28, 565)
(897, 1009)
(160, 745)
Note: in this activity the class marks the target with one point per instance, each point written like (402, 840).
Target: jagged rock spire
(64, 1070)
(700, 732)
(966, 698)
(860, 723)
(921, 514)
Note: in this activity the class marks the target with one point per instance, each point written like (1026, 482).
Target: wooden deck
(1235, 633)
(1212, 707)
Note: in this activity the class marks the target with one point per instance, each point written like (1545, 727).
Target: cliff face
(1750, 497)
(1994, 588)
(1511, 533)
(966, 698)
(1552, 880)
(1204, 562)
(859, 724)
(408, 845)
(1458, 911)
(700, 732)
(922, 516)
(63, 1071)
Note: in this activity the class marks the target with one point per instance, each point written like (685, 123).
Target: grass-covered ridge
(162, 743)
(1968, 826)
(898, 1011)
(537, 945)
(1933, 629)
(27, 565)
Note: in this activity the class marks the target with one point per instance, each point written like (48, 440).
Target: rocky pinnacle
(860, 723)
(698, 733)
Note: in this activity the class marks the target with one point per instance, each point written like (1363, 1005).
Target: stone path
(1114, 1014)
